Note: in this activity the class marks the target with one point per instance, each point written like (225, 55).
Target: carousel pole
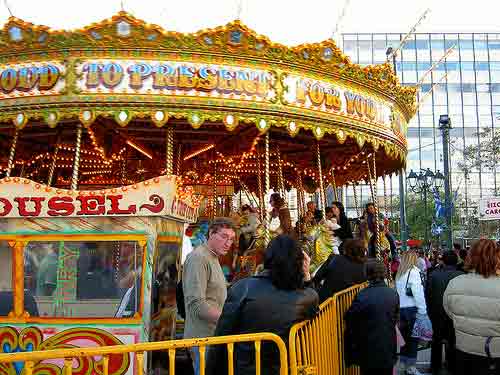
(281, 182)
(373, 188)
(10, 164)
(299, 195)
(334, 185)
(179, 160)
(76, 163)
(214, 191)
(53, 165)
(268, 185)
(321, 187)
(259, 189)
(355, 196)
(386, 203)
(170, 152)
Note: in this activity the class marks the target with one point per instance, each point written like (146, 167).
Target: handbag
(408, 290)
(422, 329)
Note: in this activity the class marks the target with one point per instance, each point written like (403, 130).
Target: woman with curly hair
(472, 301)
(272, 301)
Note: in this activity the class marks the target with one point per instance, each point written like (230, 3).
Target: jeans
(408, 353)
(195, 356)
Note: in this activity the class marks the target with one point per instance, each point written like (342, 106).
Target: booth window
(5, 278)
(100, 279)
(166, 276)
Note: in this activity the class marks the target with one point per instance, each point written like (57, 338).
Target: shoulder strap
(408, 278)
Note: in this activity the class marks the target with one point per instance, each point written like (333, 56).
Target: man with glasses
(204, 284)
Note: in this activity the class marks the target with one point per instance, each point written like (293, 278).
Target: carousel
(115, 137)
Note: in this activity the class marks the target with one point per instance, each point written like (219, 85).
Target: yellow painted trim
(174, 239)
(74, 237)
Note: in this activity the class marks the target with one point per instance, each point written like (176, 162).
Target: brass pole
(355, 196)
(170, 151)
(321, 187)
(334, 185)
(53, 165)
(373, 187)
(10, 164)
(268, 186)
(281, 182)
(179, 160)
(214, 187)
(76, 162)
(259, 188)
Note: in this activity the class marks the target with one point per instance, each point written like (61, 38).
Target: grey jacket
(473, 303)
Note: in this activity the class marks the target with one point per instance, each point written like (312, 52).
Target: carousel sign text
(173, 78)
(21, 200)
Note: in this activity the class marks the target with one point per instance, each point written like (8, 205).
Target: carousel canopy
(209, 97)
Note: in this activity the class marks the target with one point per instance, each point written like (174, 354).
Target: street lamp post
(445, 126)
(403, 227)
(422, 183)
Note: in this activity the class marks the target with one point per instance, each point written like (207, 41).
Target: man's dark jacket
(255, 305)
(340, 273)
(437, 282)
(370, 338)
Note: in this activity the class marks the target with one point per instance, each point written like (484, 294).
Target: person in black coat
(342, 271)
(345, 231)
(270, 302)
(442, 325)
(370, 338)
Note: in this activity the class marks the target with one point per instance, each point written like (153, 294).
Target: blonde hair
(408, 261)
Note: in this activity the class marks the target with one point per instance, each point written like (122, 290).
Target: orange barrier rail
(32, 359)
(316, 346)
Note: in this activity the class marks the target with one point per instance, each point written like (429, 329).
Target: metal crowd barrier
(32, 358)
(316, 346)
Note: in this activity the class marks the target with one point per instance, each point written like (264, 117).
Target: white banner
(489, 208)
(23, 198)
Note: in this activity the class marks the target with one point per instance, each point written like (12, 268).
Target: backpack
(179, 299)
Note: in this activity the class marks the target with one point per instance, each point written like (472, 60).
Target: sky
(289, 22)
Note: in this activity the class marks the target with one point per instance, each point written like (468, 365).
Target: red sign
(157, 197)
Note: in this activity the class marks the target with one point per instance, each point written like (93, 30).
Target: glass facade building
(466, 85)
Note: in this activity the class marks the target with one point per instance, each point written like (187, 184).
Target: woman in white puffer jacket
(472, 301)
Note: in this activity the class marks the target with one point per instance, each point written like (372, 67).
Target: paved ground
(424, 363)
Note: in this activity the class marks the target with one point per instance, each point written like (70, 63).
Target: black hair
(369, 204)
(276, 197)
(450, 258)
(328, 210)
(355, 250)
(318, 215)
(284, 259)
(375, 270)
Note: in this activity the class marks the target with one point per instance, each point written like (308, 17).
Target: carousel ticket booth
(79, 267)
(115, 136)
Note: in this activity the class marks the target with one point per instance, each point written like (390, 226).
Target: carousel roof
(220, 90)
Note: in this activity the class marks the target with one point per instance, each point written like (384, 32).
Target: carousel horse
(319, 245)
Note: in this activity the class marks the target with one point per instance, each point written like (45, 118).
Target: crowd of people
(457, 294)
